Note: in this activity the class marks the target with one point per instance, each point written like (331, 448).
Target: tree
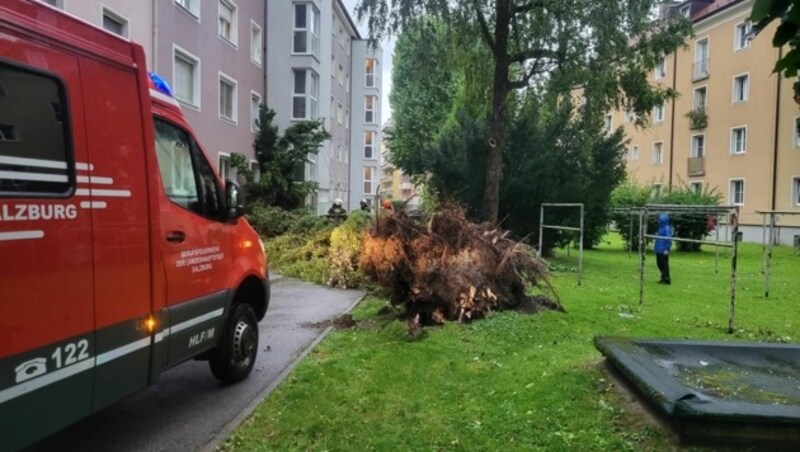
(281, 160)
(788, 33)
(529, 40)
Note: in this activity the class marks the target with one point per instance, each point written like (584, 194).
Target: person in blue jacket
(662, 247)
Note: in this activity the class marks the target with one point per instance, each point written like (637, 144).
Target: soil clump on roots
(449, 268)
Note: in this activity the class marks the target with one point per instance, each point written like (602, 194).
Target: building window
(347, 119)
(698, 145)
(742, 36)
(191, 6)
(35, 147)
(741, 88)
(738, 140)
(796, 132)
(339, 113)
(306, 29)
(347, 82)
(255, 109)
(224, 166)
(369, 145)
(305, 94)
(658, 113)
(255, 168)
(369, 180)
(701, 59)
(630, 116)
(57, 3)
(737, 192)
(696, 187)
(341, 36)
(699, 99)
(658, 153)
(186, 77)
(661, 70)
(256, 43)
(608, 123)
(115, 23)
(227, 98)
(227, 21)
(796, 191)
(340, 75)
(635, 153)
(686, 11)
(655, 191)
(369, 72)
(369, 110)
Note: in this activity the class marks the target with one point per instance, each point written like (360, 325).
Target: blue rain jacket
(663, 245)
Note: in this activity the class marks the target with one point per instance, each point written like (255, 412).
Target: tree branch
(521, 57)
(527, 7)
(484, 27)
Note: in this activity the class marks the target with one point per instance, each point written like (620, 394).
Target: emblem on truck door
(30, 369)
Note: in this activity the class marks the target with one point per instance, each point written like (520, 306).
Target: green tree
(788, 33)
(281, 159)
(612, 43)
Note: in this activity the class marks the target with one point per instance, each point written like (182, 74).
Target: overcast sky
(388, 47)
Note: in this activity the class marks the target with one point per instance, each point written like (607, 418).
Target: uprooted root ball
(452, 269)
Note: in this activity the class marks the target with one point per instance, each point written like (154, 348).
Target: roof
(346, 14)
(715, 7)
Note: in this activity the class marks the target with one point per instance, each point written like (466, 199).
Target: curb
(234, 423)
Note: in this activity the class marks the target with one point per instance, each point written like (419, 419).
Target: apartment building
(212, 54)
(734, 126)
(318, 67)
(396, 184)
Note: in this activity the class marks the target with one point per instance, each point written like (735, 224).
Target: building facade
(318, 67)
(396, 184)
(734, 126)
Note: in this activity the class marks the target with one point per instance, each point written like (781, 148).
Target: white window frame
(340, 74)
(224, 157)
(347, 119)
(367, 74)
(659, 113)
(234, 38)
(117, 17)
(179, 52)
(733, 142)
(371, 181)
(370, 110)
(635, 153)
(655, 190)
(192, 7)
(254, 112)
(311, 97)
(697, 75)
(339, 113)
(693, 150)
(256, 48)
(796, 132)
(694, 186)
(694, 97)
(608, 123)
(746, 93)
(732, 193)
(685, 11)
(742, 30)
(225, 78)
(795, 191)
(312, 25)
(660, 160)
(371, 145)
(660, 71)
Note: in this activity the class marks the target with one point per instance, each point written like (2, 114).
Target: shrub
(273, 221)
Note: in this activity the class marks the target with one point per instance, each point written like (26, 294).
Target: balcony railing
(700, 69)
(697, 166)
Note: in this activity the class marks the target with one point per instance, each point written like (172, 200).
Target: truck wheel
(234, 358)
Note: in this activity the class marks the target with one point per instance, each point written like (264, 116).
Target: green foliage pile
(315, 250)
(272, 221)
(684, 225)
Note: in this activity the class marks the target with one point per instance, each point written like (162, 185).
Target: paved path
(188, 409)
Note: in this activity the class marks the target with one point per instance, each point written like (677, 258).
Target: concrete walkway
(188, 409)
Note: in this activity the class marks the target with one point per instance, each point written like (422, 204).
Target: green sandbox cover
(731, 382)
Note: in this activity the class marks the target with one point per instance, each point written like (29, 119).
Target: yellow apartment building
(395, 184)
(734, 126)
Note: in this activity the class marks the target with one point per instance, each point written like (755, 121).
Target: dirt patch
(343, 322)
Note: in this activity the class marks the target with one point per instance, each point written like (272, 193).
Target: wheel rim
(244, 343)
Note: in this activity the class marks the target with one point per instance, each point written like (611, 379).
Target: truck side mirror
(233, 202)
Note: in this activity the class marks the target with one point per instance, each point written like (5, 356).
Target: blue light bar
(160, 84)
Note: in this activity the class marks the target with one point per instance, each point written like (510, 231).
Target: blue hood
(663, 220)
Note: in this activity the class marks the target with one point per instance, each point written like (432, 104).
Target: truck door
(46, 271)
(195, 243)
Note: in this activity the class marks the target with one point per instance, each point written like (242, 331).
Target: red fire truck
(122, 253)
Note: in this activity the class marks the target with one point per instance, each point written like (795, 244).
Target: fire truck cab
(122, 253)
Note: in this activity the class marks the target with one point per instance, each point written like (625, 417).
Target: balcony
(698, 119)
(697, 166)
(700, 70)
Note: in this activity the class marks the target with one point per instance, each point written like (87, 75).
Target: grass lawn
(516, 381)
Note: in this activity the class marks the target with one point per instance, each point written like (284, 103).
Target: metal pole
(641, 256)
(768, 262)
(732, 313)
(580, 251)
(630, 235)
(716, 227)
(763, 242)
(541, 229)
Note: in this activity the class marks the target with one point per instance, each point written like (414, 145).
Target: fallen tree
(452, 269)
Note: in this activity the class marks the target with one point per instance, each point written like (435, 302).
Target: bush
(685, 225)
(303, 256)
(273, 221)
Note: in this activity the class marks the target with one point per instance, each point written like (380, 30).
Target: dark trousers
(662, 260)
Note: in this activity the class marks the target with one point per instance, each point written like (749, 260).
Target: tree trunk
(500, 88)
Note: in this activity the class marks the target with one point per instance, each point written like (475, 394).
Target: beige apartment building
(734, 126)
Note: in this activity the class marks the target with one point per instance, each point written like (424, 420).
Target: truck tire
(234, 358)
